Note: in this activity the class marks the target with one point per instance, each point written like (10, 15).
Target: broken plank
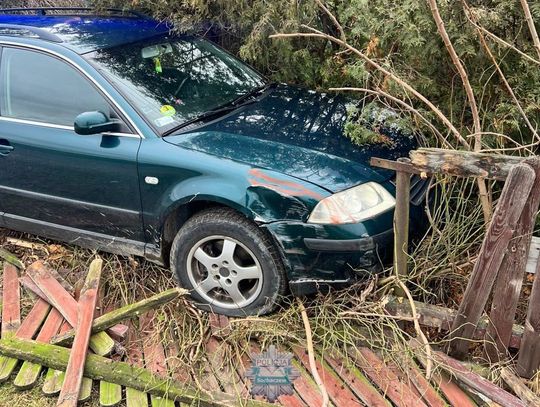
(11, 259)
(216, 352)
(100, 368)
(510, 276)
(305, 386)
(501, 228)
(27, 330)
(358, 383)
(11, 301)
(29, 372)
(428, 393)
(121, 314)
(477, 382)
(87, 304)
(387, 381)
(135, 398)
(61, 299)
(338, 392)
(463, 163)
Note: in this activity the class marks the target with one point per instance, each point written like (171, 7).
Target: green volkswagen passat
(116, 134)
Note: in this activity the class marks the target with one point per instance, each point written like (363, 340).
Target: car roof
(86, 33)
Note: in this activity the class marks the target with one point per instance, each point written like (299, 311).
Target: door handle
(5, 148)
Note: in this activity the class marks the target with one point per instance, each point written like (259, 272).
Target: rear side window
(38, 87)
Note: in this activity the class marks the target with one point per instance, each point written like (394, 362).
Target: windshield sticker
(164, 121)
(157, 63)
(167, 110)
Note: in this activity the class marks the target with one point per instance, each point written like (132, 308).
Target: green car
(119, 135)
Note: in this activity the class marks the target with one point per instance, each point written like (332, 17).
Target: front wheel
(228, 264)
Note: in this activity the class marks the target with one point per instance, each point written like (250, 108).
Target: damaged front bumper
(319, 257)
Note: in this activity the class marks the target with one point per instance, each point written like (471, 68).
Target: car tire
(229, 265)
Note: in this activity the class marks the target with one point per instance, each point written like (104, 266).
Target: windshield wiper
(242, 101)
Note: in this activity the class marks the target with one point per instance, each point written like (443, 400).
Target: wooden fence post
(501, 229)
(510, 278)
(401, 222)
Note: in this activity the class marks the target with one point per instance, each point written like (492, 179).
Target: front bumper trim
(352, 245)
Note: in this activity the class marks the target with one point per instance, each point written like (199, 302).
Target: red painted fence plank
(87, 304)
(11, 301)
(33, 321)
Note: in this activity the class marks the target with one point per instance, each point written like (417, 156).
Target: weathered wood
(101, 343)
(135, 398)
(11, 301)
(464, 163)
(27, 330)
(306, 387)
(100, 368)
(29, 372)
(387, 381)
(442, 318)
(121, 314)
(529, 356)
(154, 355)
(519, 388)
(339, 394)
(110, 394)
(358, 383)
(511, 203)
(87, 304)
(510, 277)
(453, 393)
(411, 372)
(11, 259)
(534, 255)
(401, 224)
(476, 382)
(394, 165)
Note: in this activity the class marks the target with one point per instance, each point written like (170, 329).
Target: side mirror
(94, 123)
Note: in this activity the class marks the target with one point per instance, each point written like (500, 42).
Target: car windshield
(174, 80)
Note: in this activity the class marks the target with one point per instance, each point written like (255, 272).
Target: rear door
(52, 180)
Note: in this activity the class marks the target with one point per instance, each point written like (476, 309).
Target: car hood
(299, 133)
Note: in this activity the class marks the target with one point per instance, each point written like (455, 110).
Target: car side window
(42, 88)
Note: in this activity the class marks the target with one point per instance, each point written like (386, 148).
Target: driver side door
(54, 182)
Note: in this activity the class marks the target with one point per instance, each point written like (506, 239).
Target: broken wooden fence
(501, 265)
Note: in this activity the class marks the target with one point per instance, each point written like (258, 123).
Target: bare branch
(333, 18)
(484, 196)
(532, 27)
(318, 34)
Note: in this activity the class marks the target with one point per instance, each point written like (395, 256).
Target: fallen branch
(110, 319)
(121, 373)
(311, 355)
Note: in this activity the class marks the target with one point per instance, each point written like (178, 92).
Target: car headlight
(353, 205)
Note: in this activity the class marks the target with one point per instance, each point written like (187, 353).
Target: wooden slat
(510, 277)
(534, 255)
(394, 165)
(519, 388)
(306, 387)
(338, 392)
(529, 356)
(464, 163)
(511, 203)
(101, 343)
(11, 301)
(110, 394)
(134, 354)
(476, 382)
(216, 352)
(453, 393)
(387, 381)
(29, 373)
(358, 383)
(442, 318)
(154, 354)
(428, 393)
(29, 327)
(87, 304)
